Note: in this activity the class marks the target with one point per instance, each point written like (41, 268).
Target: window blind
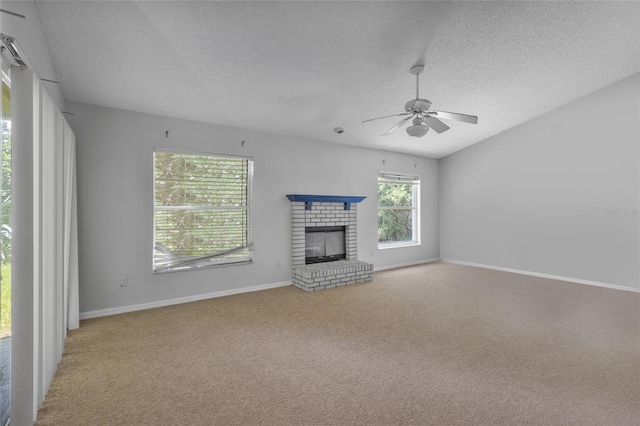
(202, 210)
(385, 177)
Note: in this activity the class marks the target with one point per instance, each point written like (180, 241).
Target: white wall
(28, 33)
(536, 197)
(115, 187)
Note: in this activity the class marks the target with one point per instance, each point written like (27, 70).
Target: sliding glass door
(5, 251)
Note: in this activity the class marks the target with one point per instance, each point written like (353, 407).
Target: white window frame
(414, 180)
(207, 260)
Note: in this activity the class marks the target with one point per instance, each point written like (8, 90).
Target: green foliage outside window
(5, 216)
(5, 189)
(395, 211)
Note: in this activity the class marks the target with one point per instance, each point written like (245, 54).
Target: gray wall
(538, 197)
(115, 187)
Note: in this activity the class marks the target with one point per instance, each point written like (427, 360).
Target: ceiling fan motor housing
(417, 105)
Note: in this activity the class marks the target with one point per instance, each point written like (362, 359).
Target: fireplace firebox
(324, 244)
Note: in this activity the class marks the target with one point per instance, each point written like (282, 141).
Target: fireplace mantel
(310, 199)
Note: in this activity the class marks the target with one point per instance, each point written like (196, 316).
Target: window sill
(384, 246)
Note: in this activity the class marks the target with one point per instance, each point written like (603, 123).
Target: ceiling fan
(422, 114)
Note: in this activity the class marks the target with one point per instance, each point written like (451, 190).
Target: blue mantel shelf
(310, 199)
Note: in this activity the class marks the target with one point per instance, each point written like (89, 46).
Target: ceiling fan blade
(436, 124)
(397, 126)
(454, 116)
(387, 116)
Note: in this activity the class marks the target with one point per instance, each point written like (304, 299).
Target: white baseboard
(402, 265)
(187, 299)
(537, 274)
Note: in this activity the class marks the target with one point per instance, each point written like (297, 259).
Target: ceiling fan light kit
(418, 129)
(423, 116)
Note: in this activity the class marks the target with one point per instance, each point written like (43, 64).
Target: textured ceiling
(303, 68)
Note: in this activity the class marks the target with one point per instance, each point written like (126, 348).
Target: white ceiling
(303, 68)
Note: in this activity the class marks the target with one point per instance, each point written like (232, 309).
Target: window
(398, 201)
(5, 248)
(202, 210)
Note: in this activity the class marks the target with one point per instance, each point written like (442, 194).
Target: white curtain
(70, 279)
(45, 259)
(50, 335)
(58, 260)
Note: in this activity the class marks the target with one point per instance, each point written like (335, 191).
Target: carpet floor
(435, 344)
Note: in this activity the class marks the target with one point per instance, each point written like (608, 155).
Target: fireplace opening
(324, 244)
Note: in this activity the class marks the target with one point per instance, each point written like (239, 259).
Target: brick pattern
(322, 214)
(297, 233)
(321, 276)
(326, 275)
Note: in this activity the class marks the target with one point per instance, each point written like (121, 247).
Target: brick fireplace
(325, 211)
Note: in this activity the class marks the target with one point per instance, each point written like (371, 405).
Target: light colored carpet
(434, 344)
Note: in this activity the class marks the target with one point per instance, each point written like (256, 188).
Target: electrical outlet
(124, 281)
